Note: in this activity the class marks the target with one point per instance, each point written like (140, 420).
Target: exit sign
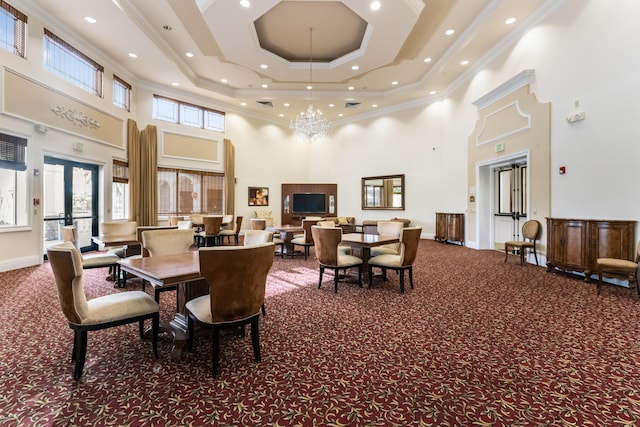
(500, 147)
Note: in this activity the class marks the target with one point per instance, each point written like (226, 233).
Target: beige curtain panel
(143, 181)
(230, 174)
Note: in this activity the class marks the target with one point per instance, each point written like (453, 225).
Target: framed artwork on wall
(258, 196)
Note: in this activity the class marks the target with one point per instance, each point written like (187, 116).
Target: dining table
(364, 242)
(287, 231)
(181, 269)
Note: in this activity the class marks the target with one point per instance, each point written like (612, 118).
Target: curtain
(143, 180)
(230, 177)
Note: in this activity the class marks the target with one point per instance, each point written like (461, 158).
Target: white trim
(524, 78)
(17, 263)
(511, 132)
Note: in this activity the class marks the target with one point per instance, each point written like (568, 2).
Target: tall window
(171, 110)
(13, 29)
(14, 197)
(72, 65)
(121, 93)
(183, 192)
(120, 190)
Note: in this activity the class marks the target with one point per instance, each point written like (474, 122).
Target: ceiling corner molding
(524, 78)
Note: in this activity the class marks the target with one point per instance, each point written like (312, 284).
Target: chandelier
(310, 124)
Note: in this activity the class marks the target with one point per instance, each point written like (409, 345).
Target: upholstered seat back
(212, 225)
(390, 228)
(118, 228)
(326, 224)
(66, 264)
(531, 230)
(237, 277)
(228, 221)
(326, 243)
(258, 223)
(167, 242)
(185, 225)
(306, 225)
(257, 237)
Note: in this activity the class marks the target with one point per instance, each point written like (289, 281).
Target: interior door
(511, 207)
(70, 198)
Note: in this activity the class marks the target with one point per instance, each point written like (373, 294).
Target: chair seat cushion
(122, 305)
(386, 260)
(617, 264)
(347, 260)
(227, 232)
(200, 308)
(278, 241)
(520, 243)
(383, 250)
(300, 241)
(101, 260)
(119, 252)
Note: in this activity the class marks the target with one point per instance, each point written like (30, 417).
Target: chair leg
(81, 352)
(370, 272)
(264, 311)
(506, 253)
(189, 333)
(215, 351)
(599, 285)
(255, 339)
(360, 275)
(411, 276)
(401, 280)
(155, 326)
(522, 251)
(535, 255)
(335, 280)
(321, 273)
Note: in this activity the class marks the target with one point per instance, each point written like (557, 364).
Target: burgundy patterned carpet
(476, 343)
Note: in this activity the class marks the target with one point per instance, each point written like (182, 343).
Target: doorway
(70, 198)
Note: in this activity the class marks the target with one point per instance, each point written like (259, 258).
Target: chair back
(637, 260)
(66, 264)
(70, 234)
(167, 242)
(258, 223)
(257, 237)
(326, 224)
(228, 221)
(185, 225)
(118, 228)
(306, 225)
(238, 223)
(531, 230)
(237, 277)
(142, 228)
(409, 241)
(326, 241)
(212, 225)
(390, 228)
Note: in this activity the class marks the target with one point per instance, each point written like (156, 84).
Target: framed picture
(258, 196)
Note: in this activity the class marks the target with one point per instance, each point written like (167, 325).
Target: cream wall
(585, 50)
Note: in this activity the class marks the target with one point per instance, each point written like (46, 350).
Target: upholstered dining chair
(211, 231)
(99, 313)
(305, 240)
(619, 269)
(409, 240)
(102, 260)
(388, 228)
(118, 228)
(237, 277)
(258, 237)
(330, 257)
(166, 242)
(235, 232)
(185, 225)
(261, 224)
(530, 233)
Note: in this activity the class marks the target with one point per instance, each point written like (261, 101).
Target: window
(121, 93)
(13, 29)
(120, 190)
(13, 182)
(72, 65)
(183, 192)
(170, 110)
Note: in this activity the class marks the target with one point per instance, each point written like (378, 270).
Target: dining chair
(619, 269)
(306, 239)
(101, 260)
(118, 228)
(388, 228)
(103, 312)
(530, 233)
(237, 277)
(211, 231)
(233, 232)
(166, 242)
(327, 241)
(409, 241)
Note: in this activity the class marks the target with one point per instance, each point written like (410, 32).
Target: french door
(511, 180)
(70, 198)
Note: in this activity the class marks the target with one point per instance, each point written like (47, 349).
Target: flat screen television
(309, 203)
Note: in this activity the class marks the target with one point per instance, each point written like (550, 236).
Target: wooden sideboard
(450, 227)
(574, 245)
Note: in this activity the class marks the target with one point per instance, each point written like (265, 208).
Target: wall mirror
(383, 192)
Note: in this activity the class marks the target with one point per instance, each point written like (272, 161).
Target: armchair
(409, 240)
(329, 256)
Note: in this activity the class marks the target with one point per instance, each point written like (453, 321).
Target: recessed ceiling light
(449, 32)
(375, 105)
(355, 67)
(375, 5)
(264, 66)
(167, 27)
(90, 20)
(351, 88)
(465, 62)
(332, 105)
(189, 55)
(510, 21)
(175, 84)
(433, 92)
(223, 80)
(281, 115)
(265, 86)
(244, 104)
(245, 3)
(133, 55)
(394, 83)
(286, 104)
(309, 87)
(427, 59)
(340, 115)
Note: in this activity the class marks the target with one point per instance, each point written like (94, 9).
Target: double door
(70, 198)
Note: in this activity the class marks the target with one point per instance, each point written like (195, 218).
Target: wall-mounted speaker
(286, 204)
(332, 205)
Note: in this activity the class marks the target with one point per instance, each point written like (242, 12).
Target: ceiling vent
(352, 105)
(265, 104)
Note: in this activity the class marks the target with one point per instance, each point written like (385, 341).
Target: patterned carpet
(477, 343)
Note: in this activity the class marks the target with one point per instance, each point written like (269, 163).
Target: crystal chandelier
(310, 124)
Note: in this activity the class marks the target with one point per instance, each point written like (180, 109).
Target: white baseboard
(16, 263)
